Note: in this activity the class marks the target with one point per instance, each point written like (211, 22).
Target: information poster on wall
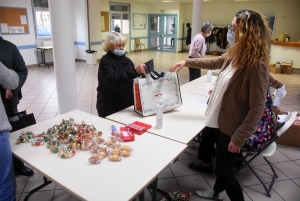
(139, 21)
(4, 28)
(23, 19)
(16, 29)
(102, 23)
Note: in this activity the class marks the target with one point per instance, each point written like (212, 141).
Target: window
(119, 18)
(43, 26)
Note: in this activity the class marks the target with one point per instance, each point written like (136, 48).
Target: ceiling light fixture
(167, 1)
(242, 0)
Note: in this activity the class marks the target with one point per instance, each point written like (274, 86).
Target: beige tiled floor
(40, 98)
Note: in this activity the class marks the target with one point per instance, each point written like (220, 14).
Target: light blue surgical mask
(230, 37)
(119, 52)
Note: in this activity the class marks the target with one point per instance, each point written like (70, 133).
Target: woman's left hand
(140, 69)
(232, 148)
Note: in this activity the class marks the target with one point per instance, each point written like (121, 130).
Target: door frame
(161, 35)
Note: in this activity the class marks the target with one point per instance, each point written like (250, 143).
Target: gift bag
(21, 120)
(148, 91)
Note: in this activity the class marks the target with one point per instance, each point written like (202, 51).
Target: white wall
(287, 19)
(285, 54)
(26, 42)
(95, 26)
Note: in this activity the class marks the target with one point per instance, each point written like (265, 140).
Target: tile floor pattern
(40, 98)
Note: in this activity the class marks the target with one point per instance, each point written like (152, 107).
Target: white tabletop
(199, 86)
(122, 180)
(45, 47)
(181, 124)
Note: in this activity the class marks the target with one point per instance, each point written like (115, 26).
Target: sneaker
(200, 168)
(211, 194)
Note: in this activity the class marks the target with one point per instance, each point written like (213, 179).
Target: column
(197, 17)
(63, 54)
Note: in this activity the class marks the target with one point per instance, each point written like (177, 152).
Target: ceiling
(212, 1)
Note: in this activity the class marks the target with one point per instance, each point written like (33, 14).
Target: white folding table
(199, 86)
(113, 181)
(181, 124)
(43, 50)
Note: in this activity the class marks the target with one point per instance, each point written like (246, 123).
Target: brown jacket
(244, 100)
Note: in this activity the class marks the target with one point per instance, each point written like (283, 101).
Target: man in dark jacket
(12, 59)
(189, 34)
(117, 28)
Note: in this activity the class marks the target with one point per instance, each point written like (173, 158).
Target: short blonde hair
(112, 40)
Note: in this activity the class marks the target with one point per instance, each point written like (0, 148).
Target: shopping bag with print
(149, 90)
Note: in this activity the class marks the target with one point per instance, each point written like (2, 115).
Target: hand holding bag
(147, 92)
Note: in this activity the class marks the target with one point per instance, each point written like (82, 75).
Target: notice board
(104, 22)
(13, 20)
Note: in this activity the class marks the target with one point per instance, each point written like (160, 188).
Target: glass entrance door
(162, 32)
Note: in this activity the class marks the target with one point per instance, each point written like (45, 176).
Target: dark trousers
(209, 136)
(224, 170)
(172, 42)
(194, 73)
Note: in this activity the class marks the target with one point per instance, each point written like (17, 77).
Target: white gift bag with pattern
(147, 92)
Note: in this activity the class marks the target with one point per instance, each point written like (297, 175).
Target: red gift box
(126, 134)
(138, 127)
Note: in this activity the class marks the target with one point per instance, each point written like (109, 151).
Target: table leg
(142, 196)
(45, 59)
(37, 56)
(46, 183)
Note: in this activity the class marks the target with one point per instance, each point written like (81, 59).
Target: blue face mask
(119, 52)
(230, 37)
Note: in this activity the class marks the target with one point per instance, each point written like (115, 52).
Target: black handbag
(21, 120)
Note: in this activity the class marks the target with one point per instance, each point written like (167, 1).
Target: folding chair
(268, 151)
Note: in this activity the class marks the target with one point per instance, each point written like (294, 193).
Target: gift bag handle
(155, 75)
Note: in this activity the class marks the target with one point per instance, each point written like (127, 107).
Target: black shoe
(24, 170)
(200, 168)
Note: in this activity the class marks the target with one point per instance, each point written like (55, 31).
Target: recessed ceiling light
(167, 1)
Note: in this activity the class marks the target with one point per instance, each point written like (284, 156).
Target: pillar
(197, 17)
(63, 54)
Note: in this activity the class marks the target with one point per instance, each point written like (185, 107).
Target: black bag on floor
(21, 120)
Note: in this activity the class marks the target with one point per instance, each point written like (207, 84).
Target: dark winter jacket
(115, 84)
(189, 36)
(12, 59)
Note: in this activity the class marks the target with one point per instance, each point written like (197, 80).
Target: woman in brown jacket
(238, 100)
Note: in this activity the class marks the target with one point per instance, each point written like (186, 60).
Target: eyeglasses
(231, 28)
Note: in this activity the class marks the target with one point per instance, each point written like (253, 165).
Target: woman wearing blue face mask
(115, 77)
(230, 35)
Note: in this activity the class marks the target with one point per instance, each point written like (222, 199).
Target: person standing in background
(189, 34)
(172, 31)
(198, 48)
(117, 28)
(12, 59)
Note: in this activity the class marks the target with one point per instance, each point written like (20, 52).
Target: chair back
(137, 41)
(288, 122)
